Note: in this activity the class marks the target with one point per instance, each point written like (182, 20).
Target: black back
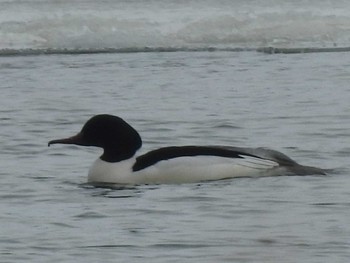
(167, 153)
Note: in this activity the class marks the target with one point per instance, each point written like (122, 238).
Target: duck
(121, 164)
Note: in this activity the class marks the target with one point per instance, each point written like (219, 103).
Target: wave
(61, 27)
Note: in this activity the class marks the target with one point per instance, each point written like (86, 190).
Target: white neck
(106, 172)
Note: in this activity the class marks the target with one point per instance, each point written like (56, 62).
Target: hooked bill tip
(51, 142)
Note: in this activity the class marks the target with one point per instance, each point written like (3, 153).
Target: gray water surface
(297, 104)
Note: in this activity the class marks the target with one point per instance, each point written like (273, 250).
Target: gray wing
(293, 168)
(264, 153)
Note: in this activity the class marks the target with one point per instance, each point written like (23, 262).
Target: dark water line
(82, 51)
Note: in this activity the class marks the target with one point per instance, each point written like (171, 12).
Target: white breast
(182, 170)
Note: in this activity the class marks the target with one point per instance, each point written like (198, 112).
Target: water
(38, 26)
(295, 103)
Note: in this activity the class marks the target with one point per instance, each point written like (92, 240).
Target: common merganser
(176, 164)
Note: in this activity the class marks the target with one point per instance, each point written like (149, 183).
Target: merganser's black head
(118, 139)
